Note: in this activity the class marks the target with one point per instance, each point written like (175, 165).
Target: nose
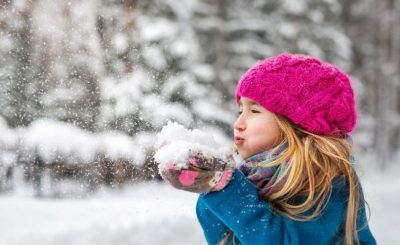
(240, 123)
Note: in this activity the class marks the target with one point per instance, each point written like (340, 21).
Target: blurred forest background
(86, 85)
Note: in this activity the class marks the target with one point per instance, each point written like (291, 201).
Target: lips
(239, 140)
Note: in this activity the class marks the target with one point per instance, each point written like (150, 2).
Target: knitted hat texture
(312, 93)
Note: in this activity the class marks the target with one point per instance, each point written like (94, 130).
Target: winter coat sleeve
(252, 220)
(214, 229)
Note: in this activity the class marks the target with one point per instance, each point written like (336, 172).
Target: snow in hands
(175, 143)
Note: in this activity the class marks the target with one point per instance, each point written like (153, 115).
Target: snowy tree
(133, 65)
(169, 78)
(265, 28)
(71, 44)
(16, 61)
(233, 35)
(51, 63)
(374, 28)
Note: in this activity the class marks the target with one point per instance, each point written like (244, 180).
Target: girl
(296, 184)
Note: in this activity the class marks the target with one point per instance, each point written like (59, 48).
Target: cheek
(266, 134)
(265, 127)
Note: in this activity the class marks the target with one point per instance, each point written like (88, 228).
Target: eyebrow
(250, 103)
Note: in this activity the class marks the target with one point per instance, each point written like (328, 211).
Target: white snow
(381, 191)
(158, 111)
(181, 48)
(58, 140)
(204, 72)
(120, 42)
(176, 132)
(6, 43)
(73, 92)
(211, 111)
(54, 140)
(295, 7)
(124, 93)
(288, 29)
(117, 145)
(153, 56)
(8, 137)
(47, 23)
(144, 214)
(177, 152)
(7, 159)
(155, 29)
(183, 9)
(175, 143)
(151, 213)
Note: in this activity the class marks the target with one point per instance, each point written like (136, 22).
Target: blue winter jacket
(237, 208)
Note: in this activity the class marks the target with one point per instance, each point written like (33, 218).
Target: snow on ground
(152, 213)
(148, 213)
(382, 192)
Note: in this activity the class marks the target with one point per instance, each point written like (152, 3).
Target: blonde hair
(313, 162)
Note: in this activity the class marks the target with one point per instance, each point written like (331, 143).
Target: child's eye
(239, 112)
(255, 111)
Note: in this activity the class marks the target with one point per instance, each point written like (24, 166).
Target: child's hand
(191, 160)
(200, 174)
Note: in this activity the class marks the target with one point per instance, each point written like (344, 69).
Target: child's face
(256, 128)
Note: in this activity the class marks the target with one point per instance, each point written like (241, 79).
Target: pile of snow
(176, 143)
(59, 141)
(54, 140)
(117, 145)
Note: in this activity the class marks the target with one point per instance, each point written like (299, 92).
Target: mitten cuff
(223, 179)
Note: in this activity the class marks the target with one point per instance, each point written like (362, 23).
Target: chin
(244, 155)
(248, 154)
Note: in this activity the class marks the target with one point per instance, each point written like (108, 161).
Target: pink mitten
(201, 173)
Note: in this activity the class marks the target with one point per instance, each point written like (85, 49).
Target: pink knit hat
(313, 94)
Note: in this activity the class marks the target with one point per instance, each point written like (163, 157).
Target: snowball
(174, 131)
(178, 152)
(176, 143)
